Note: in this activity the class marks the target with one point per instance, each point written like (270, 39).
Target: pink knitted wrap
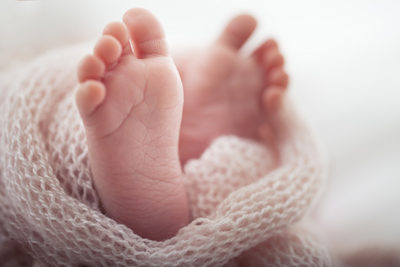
(246, 212)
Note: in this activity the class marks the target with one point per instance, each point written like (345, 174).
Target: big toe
(146, 33)
(238, 31)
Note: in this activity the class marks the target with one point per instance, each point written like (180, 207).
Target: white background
(344, 62)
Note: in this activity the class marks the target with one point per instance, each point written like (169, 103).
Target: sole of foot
(130, 99)
(226, 93)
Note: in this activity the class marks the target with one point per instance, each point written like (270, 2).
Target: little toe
(118, 30)
(277, 76)
(238, 30)
(89, 96)
(90, 67)
(146, 33)
(108, 49)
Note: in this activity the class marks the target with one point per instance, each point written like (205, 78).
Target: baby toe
(88, 97)
(146, 33)
(277, 76)
(108, 49)
(90, 67)
(272, 98)
(238, 30)
(272, 58)
(117, 30)
(263, 48)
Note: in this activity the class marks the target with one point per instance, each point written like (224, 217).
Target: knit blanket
(245, 210)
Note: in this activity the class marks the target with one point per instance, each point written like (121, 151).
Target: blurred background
(344, 62)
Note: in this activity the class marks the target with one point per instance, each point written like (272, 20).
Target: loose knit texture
(245, 210)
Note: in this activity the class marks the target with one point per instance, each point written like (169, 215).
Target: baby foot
(226, 93)
(130, 99)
